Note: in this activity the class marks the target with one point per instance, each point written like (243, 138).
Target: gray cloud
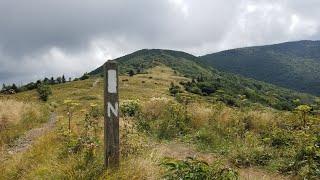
(50, 37)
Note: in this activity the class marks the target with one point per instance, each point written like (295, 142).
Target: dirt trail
(181, 151)
(25, 142)
(95, 83)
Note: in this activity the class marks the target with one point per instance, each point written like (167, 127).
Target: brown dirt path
(25, 142)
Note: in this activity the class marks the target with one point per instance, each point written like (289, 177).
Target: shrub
(130, 107)
(44, 91)
(247, 158)
(194, 169)
(163, 118)
(173, 122)
(174, 89)
(280, 138)
(307, 160)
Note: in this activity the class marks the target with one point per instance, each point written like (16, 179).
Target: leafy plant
(307, 160)
(174, 89)
(195, 169)
(130, 107)
(44, 91)
(303, 111)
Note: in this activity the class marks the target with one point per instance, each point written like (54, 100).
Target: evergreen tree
(131, 72)
(52, 81)
(38, 82)
(14, 87)
(63, 79)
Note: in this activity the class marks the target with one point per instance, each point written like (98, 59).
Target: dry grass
(154, 107)
(200, 114)
(11, 111)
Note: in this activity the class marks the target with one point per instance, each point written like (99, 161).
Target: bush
(174, 89)
(44, 91)
(307, 160)
(257, 157)
(165, 119)
(174, 122)
(280, 138)
(130, 107)
(194, 169)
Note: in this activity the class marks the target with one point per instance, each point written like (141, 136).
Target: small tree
(14, 87)
(63, 79)
(303, 111)
(131, 72)
(174, 89)
(3, 87)
(52, 81)
(59, 80)
(44, 91)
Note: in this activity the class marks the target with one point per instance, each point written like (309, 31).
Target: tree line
(12, 89)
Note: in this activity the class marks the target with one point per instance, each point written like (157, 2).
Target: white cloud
(181, 5)
(73, 37)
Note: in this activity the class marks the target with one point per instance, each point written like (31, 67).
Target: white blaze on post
(113, 109)
(112, 81)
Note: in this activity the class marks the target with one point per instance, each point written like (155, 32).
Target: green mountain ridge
(294, 65)
(138, 61)
(207, 81)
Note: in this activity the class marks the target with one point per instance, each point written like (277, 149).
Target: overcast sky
(41, 38)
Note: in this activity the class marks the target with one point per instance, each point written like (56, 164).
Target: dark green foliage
(44, 91)
(281, 138)
(230, 89)
(10, 89)
(294, 65)
(52, 81)
(46, 80)
(85, 76)
(59, 80)
(131, 73)
(63, 79)
(194, 169)
(174, 89)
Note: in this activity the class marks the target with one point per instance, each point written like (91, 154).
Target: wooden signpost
(111, 117)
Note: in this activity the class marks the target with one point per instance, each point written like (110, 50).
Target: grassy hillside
(231, 89)
(158, 133)
(294, 65)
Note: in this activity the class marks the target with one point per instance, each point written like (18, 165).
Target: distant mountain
(294, 65)
(207, 81)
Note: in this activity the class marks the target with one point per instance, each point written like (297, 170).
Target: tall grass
(18, 117)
